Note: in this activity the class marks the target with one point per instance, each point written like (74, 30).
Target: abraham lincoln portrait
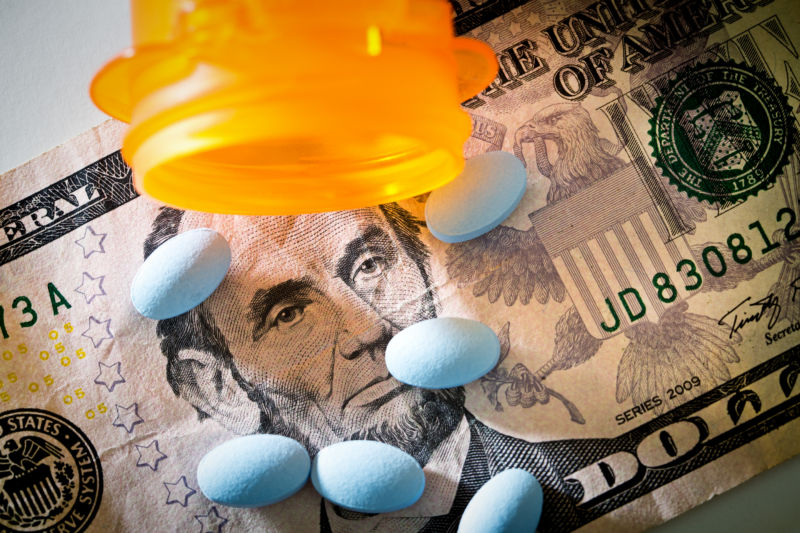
(293, 342)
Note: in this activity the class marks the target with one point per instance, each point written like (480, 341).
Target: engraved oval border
(776, 154)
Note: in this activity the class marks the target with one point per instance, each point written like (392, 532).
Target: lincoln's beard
(419, 431)
(434, 415)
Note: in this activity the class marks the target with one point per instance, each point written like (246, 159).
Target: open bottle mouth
(248, 108)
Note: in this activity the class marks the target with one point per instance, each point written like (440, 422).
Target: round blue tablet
(478, 200)
(442, 352)
(510, 502)
(180, 274)
(367, 476)
(254, 470)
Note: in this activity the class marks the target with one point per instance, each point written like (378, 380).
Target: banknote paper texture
(646, 293)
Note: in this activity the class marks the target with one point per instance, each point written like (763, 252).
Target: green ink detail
(3, 329)
(722, 132)
(56, 303)
(663, 284)
(769, 244)
(787, 231)
(611, 329)
(722, 266)
(27, 310)
(691, 273)
(739, 246)
(642, 309)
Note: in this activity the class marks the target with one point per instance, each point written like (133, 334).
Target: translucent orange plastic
(285, 107)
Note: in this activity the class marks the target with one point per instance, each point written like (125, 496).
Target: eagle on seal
(25, 455)
(583, 156)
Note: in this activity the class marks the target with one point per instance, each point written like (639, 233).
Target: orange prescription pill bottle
(284, 107)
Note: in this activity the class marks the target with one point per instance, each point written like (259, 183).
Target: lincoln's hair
(197, 330)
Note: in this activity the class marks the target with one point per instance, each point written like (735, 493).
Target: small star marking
(127, 417)
(91, 242)
(109, 375)
(211, 522)
(91, 287)
(150, 455)
(98, 331)
(179, 492)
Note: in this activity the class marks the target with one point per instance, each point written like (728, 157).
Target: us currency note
(646, 293)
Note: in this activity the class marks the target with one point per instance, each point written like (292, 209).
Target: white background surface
(49, 51)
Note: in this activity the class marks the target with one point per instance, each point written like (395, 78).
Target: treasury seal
(722, 131)
(50, 474)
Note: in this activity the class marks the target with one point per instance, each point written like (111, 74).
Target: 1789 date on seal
(722, 131)
(50, 474)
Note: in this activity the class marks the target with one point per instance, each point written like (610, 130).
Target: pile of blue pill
(364, 476)
(359, 475)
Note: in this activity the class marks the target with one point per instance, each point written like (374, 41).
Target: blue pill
(442, 352)
(180, 274)
(478, 200)
(510, 502)
(253, 471)
(367, 476)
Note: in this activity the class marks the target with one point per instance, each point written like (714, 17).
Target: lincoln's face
(307, 309)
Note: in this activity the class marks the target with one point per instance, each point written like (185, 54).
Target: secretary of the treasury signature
(749, 311)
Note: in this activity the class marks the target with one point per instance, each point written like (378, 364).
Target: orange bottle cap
(264, 107)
